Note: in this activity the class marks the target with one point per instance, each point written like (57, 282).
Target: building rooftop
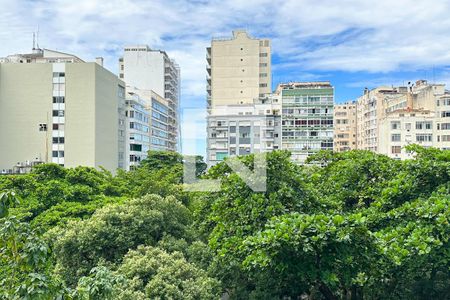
(40, 55)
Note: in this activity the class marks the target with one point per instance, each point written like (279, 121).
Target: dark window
(58, 140)
(58, 100)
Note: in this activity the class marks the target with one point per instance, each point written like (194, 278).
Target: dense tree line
(352, 225)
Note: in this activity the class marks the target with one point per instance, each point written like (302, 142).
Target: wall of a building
(235, 70)
(91, 115)
(144, 70)
(25, 102)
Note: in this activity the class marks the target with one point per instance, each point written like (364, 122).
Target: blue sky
(352, 43)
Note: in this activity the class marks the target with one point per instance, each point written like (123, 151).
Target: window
(263, 54)
(446, 101)
(396, 137)
(444, 126)
(42, 127)
(57, 153)
(262, 75)
(59, 99)
(221, 155)
(58, 140)
(408, 126)
(263, 64)
(135, 147)
(424, 125)
(58, 113)
(395, 125)
(263, 85)
(424, 137)
(445, 114)
(396, 149)
(446, 138)
(58, 74)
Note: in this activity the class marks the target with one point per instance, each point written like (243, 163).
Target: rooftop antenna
(37, 37)
(34, 41)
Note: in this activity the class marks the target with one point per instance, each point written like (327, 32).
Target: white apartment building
(244, 129)
(418, 114)
(153, 70)
(238, 70)
(147, 123)
(54, 107)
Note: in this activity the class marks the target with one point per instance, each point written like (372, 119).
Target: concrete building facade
(345, 127)
(390, 118)
(307, 118)
(243, 129)
(54, 107)
(238, 70)
(147, 121)
(153, 70)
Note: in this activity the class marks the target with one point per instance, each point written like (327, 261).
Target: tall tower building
(238, 70)
(241, 117)
(153, 70)
(54, 107)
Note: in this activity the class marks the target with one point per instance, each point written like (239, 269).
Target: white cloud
(350, 35)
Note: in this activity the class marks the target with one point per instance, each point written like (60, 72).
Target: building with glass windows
(153, 70)
(147, 123)
(243, 129)
(306, 118)
(55, 107)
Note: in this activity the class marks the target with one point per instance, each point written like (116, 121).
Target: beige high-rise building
(238, 70)
(54, 107)
(344, 127)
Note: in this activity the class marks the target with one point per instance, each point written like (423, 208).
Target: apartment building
(238, 70)
(244, 129)
(153, 70)
(417, 114)
(390, 118)
(344, 127)
(55, 107)
(239, 101)
(307, 118)
(369, 114)
(147, 122)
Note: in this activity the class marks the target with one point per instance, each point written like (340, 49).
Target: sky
(352, 43)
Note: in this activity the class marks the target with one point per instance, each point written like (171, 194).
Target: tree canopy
(351, 225)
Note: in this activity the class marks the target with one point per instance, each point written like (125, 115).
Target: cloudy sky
(352, 43)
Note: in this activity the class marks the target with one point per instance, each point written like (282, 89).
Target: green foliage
(352, 225)
(163, 275)
(25, 270)
(7, 200)
(113, 230)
